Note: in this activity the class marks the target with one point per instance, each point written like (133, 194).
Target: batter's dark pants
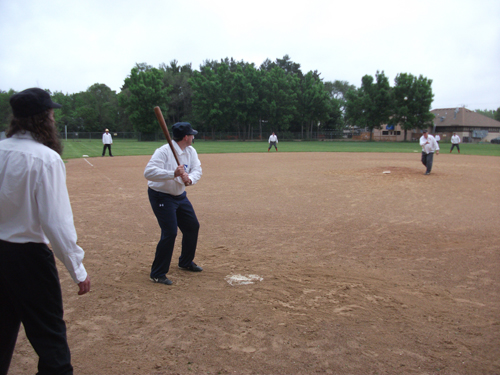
(453, 146)
(427, 160)
(172, 212)
(30, 293)
(104, 150)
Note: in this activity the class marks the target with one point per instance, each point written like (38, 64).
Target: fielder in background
(273, 140)
(167, 194)
(107, 141)
(438, 138)
(35, 210)
(429, 146)
(455, 141)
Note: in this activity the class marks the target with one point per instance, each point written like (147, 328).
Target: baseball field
(314, 262)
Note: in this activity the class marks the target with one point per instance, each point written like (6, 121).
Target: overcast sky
(68, 45)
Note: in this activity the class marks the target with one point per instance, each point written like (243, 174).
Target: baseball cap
(31, 102)
(424, 131)
(180, 129)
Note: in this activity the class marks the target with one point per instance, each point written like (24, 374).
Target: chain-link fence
(322, 135)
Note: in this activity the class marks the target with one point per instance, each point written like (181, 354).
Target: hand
(179, 171)
(437, 152)
(185, 178)
(84, 286)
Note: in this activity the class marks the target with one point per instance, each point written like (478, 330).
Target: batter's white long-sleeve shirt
(107, 139)
(161, 168)
(34, 201)
(432, 146)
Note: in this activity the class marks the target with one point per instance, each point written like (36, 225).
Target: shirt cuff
(80, 274)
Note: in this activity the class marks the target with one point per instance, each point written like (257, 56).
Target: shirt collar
(178, 149)
(25, 135)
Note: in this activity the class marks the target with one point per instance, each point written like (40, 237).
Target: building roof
(462, 117)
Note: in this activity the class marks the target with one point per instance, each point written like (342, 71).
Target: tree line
(237, 96)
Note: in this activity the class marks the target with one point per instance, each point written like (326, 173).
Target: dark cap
(424, 131)
(31, 102)
(180, 129)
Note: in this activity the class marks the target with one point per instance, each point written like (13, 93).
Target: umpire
(167, 194)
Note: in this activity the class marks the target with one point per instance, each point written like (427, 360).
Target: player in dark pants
(172, 212)
(273, 141)
(429, 146)
(34, 211)
(107, 141)
(167, 183)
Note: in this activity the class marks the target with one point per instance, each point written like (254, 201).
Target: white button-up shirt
(161, 168)
(34, 200)
(273, 138)
(432, 146)
(455, 139)
(107, 139)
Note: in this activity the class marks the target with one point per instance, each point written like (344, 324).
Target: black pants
(453, 146)
(271, 144)
(30, 293)
(427, 160)
(172, 212)
(108, 146)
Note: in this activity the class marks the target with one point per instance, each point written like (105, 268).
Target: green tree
(337, 91)
(146, 91)
(210, 100)
(486, 112)
(497, 114)
(412, 102)
(371, 105)
(286, 63)
(5, 108)
(279, 98)
(243, 98)
(313, 102)
(179, 100)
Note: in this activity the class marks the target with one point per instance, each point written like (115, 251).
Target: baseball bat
(163, 126)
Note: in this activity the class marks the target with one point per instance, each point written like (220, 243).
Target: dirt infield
(355, 271)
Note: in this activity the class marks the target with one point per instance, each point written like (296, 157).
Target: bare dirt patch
(356, 271)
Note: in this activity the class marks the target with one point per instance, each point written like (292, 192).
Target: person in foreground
(429, 146)
(35, 211)
(167, 194)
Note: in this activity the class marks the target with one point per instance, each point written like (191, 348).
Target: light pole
(260, 126)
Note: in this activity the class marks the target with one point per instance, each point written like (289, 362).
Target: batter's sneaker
(192, 267)
(161, 280)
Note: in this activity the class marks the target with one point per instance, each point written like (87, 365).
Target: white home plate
(242, 280)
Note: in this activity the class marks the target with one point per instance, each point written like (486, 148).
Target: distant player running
(273, 140)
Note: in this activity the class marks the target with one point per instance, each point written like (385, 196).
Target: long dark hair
(42, 127)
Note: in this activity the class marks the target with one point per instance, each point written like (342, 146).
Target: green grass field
(93, 148)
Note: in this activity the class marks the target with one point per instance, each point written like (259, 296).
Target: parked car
(495, 140)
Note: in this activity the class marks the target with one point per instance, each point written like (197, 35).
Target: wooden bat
(163, 126)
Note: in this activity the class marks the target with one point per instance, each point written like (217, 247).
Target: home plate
(242, 280)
